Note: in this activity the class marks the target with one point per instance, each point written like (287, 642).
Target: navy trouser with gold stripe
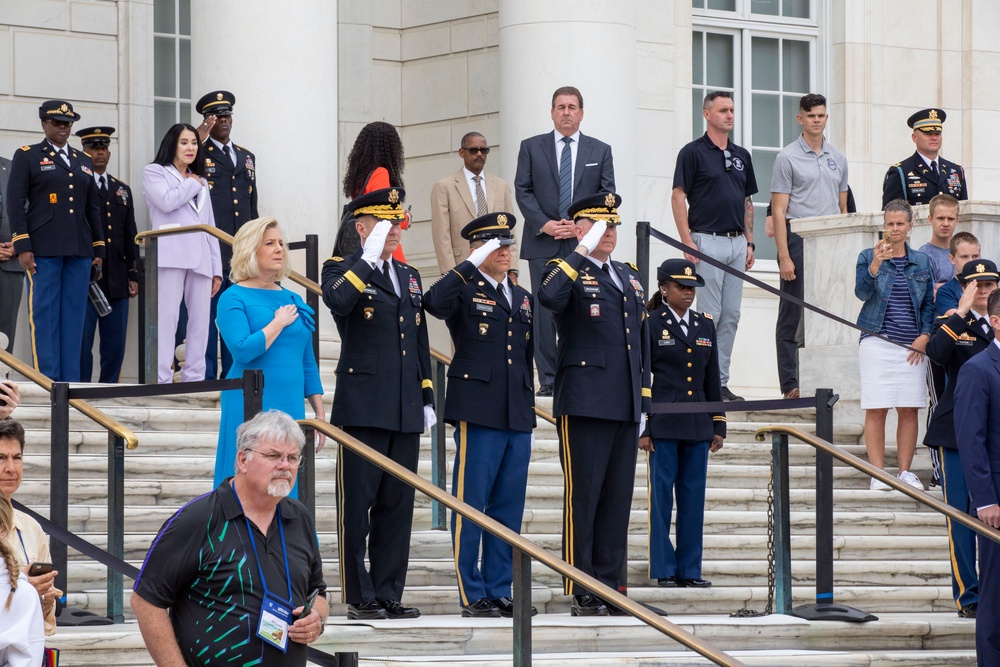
(598, 461)
(677, 467)
(491, 474)
(961, 540)
(57, 302)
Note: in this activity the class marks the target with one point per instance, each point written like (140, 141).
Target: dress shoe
(615, 610)
(730, 396)
(693, 583)
(366, 611)
(588, 605)
(395, 609)
(481, 608)
(544, 390)
(506, 607)
(792, 393)
(667, 582)
(969, 610)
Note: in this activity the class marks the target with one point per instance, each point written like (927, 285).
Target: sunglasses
(475, 150)
(729, 159)
(60, 123)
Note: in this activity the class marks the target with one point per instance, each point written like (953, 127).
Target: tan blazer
(452, 209)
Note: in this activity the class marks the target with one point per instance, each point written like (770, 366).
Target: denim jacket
(875, 291)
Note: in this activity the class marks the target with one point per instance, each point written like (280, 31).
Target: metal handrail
(519, 543)
(879, 474)
(85, 408)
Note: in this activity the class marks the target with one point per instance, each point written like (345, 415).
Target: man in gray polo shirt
(809, 179)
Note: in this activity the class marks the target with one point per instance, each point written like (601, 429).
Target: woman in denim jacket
(897, 287)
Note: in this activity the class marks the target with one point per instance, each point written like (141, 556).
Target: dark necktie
(62, 154)
(565, 178)
(386, 269)
(984, 325)
(229, 155)
(934, 168)
(684, 327)
(502, 296)
(103, 188)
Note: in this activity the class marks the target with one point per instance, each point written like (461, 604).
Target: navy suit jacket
(977, 425)
(536, 188)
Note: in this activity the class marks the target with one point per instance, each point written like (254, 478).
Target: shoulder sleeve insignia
(25, 148)
(708, 316)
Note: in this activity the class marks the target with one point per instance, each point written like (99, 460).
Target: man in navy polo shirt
(716, 179)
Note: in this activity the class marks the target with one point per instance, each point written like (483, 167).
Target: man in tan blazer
(455, 203)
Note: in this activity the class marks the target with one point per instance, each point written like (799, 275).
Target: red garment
(379, 180)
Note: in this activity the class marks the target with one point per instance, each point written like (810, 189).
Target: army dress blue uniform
(490, 402)
(54, 213)
(601, 390)
(913, 181)
(383, 384)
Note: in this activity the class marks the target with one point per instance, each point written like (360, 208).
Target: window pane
(769, 7)
(763, 162)
(766, 126)
(164, 116)
(790, 105)
(185, 88)
(765, 247)
(697, 120)
(723, 5)
(765, 66)
(795, 63)
(796, 8)
(698, 4)
(164, 70)
(163, 16)
(185, 116)
(697, 58)
(720, 60)
(185, 16)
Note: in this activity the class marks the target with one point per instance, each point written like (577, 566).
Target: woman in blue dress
(266, 327)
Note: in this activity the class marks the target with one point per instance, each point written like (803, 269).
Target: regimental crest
(64, 108)
(218, 96)
(688, 271)
(609, 200)
(502, 220)
(394, 196)
(980, 268)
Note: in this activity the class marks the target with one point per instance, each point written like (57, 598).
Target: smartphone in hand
(38, 569)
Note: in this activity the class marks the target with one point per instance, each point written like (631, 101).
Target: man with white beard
(232, 571)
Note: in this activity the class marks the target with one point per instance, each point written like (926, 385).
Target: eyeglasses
(729, 159)
(475, 150)
(275, 458)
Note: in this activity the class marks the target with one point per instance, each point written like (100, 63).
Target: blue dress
(289, 365)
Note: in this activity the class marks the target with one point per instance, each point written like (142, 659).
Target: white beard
(279, 488)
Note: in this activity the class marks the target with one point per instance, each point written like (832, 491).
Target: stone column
(282, 68)
(590, 44)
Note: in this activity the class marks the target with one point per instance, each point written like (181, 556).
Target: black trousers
(598, 461)
(788, 328)
(373, 505)
(543, 327)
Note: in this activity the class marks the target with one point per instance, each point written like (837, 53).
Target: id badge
(275, 618)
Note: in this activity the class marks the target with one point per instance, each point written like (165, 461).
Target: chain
(750, 613)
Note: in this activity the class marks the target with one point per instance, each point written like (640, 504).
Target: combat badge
(483, 328)
(595, 310)
(369, 313)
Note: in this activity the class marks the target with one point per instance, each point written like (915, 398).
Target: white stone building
(308, 74)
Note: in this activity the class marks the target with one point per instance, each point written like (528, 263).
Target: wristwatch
(751, 245)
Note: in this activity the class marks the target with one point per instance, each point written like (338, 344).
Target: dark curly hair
(378, 145)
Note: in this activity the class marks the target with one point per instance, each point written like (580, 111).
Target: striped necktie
(565, 178)
(480, 196)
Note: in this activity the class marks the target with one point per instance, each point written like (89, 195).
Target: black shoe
(481, 608)
(544, 390)
(693, 583)
(366, 611)
(667, 582)
(588, 605)
(730, 396)
(395, 609)
(506, 607)
(615, 610)
(969, 610)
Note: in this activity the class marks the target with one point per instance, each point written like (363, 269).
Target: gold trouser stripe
(567, 269)
(459, 492)
(340, 520)
(649, 515)
(951, 538)
(31, 318)
(357, 282)
(567, 500)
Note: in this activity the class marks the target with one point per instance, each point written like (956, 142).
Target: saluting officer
(924, 174)
(601, 393)
(54, 212)
(685, 362)
(384, 397)
(490, 402)
(120, 278)
(232, 179)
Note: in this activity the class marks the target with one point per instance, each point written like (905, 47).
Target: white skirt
(887, 381)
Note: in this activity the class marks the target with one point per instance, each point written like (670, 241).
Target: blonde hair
(6, 551)
(245, 245)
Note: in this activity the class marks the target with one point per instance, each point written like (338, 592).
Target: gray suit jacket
(11, 264)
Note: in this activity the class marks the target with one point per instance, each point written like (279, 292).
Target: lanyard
(27, 558)
(253, 544)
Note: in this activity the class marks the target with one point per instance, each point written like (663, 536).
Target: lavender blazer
(174, 201)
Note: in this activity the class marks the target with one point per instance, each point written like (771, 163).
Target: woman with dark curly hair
(375, 163)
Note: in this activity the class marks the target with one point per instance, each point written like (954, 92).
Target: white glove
(479, 255)
(642, 423)
(593, 237)
(376, 241)
(430, 419)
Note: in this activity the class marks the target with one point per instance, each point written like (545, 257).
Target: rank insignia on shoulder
(942, 317)
(335, 259)
(708, 315)
(25, 148)
(634, 267)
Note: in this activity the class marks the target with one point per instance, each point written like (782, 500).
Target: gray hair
(899, 206)
(269, 426)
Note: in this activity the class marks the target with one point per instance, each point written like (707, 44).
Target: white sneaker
(878, 485)
(908, 477)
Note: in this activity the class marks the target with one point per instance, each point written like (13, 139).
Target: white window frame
(177, 38)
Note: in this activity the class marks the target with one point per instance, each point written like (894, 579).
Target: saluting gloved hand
(376, 241)
(593, 237)
(430, 418)
(479, 255)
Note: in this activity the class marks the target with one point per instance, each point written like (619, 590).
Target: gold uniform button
(509, 320)
(71, 199)
(465, 376)
(109, 214)
(109, 226)
(350, 370)
(402, 335)
(690, 393)
(630, 347)
(510, 333)
(71, 210)
(509, 347)
(689, 364)
(404, 353)
(234, 189)
(689, 379)
(627, 330)
(237, 214)
(509, 362)
(236, 201)
(626, 314)
(71, 176)
(401, 319)
(583, 363)
(689, 350)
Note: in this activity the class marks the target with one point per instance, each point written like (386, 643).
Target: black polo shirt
(201, 567)
(716, 197)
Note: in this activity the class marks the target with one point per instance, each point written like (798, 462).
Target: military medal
(123, 193)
